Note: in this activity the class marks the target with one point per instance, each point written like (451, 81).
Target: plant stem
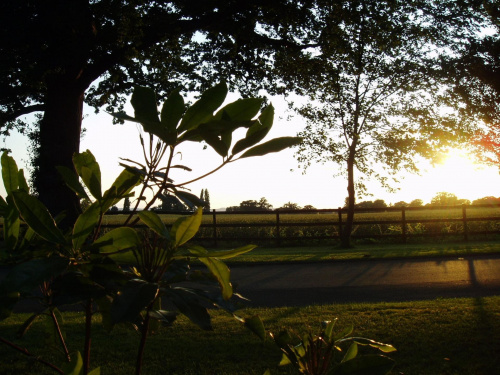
(88, 326)
(36, 358)
(59, 333)
(142, 345)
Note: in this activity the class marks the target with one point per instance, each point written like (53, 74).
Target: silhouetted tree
(56, 54)
(444, 199)
(400, 204)
(417, 203)
(291, 206)
(309, 207)
(126, 204)
(487, 200)
(369, 83)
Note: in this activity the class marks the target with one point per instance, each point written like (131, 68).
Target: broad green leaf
(351, 353)
(202, 110)
(96, 371)
(23, 185)
(329, 329)
(191, 200)
(28, 323)
(224, 254)
(386, 348)
(154, 222)
(274, 145)
(214, 141)
(255, 324)
(144, 102)
(266, 118)
(123, 116)
(189, 304)
(92, 181)
(10, 173)
(366, 364)
(11, 225)
(131, 300)
(71, 179)
(186, 228)
(88, 169)
(221, 272)
(74, 367)
(27, 276)
(255, 134)
(116, 240)
(38, 218)
(164, 316)
(241, 109)
(85, 225)
(172, 110)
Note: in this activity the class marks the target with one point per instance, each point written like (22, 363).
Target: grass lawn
(444, 336)
(322, 253)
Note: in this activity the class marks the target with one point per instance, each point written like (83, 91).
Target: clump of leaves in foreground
(329, 352)
(85, 266)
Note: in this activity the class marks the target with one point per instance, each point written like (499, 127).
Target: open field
(444, 336)
(320, 228)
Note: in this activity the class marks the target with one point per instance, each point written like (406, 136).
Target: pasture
(321, 227)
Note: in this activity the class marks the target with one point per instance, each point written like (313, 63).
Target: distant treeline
(441, 199)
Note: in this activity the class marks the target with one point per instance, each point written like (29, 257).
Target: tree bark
(59, 139)
(345, 236)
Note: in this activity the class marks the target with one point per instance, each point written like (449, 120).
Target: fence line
(403, 222)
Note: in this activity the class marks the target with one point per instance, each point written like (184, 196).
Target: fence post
(214, 222)
(278, 236)
(339, 210)
(403, 223)
(464, 219)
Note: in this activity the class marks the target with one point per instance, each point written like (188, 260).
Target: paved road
(298, 284)
(367, 280)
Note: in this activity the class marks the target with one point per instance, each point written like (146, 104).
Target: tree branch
(11, 116)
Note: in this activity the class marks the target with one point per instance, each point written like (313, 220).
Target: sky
(275, 176)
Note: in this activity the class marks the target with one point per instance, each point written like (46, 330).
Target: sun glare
(460, 175)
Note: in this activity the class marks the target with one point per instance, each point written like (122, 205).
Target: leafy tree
(309, 207)
(474, 76)
(444, 199)
(486, 200)
(291, 206)
(370, 84)
(400, 204)
(57, 54)
(206, 199)
(264, 204)
(253, 205)
(417, 203)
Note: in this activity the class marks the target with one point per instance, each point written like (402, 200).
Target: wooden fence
(396, 224)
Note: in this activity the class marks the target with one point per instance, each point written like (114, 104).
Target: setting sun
(459, 175)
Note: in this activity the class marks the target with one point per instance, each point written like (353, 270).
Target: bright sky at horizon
(273, 176)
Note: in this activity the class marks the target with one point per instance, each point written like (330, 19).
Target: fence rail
(279, 227)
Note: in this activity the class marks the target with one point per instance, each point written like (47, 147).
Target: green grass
(444, 336)
(374, 251)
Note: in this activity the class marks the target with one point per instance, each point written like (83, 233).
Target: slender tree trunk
(345, 236)
(59, 139)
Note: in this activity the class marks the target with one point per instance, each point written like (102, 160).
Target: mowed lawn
(443, 336)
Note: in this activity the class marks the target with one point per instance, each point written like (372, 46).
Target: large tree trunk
(59, 139)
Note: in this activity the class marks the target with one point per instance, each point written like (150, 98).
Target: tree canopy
(56, 54)
(373, 84)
